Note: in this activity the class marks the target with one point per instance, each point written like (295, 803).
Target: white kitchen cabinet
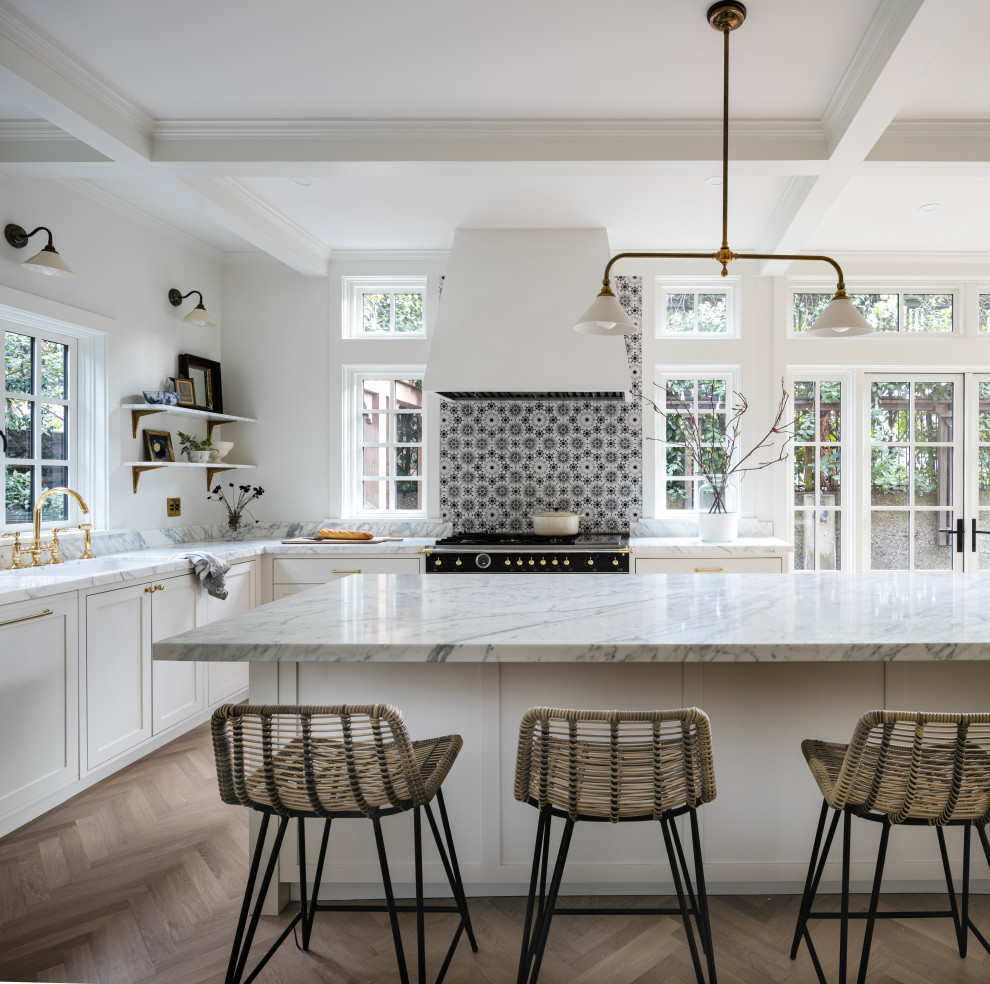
(307, 571)
(118, 672)
(224, 680)
(709, 565)
(39, 728)
(177, 688)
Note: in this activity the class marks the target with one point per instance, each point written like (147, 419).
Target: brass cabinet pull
(709, 570)
(26, 618)
(335, 571)
(154, 587)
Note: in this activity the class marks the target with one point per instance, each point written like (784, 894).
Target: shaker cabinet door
(177, 686)
(227, 679)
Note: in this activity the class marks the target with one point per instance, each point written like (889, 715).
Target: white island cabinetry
(38, 701)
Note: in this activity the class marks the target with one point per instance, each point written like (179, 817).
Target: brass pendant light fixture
(839, 320)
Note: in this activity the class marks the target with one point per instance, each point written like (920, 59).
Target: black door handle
(975, 531)
(959, 533)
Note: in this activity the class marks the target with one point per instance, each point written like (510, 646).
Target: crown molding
(109, 200)
(17, 32)
(248, 258)
(390, 255)
(32, 130)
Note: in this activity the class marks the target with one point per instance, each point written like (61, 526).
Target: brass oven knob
(519, 562)
(508, 563)
(457, 563)
(591, 562)
(543, 562)
(437, 562)
(554, 562)
(532, 563)
(615, 561)
(567, 563)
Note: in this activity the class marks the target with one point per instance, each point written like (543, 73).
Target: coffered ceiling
(410, 120)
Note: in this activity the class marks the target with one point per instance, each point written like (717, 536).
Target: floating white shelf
(139, 410)
(138, 468)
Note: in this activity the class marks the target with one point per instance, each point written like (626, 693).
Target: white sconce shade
(840, 319)
(198, 316)
(46, 262)
(605, 317)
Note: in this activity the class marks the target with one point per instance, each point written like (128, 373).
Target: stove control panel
(528, 562)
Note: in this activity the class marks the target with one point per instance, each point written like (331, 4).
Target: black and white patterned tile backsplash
(500, 462)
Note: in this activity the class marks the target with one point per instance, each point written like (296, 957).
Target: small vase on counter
(718, 518)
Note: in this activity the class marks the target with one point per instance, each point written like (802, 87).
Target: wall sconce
(198, 316)
(47, 261)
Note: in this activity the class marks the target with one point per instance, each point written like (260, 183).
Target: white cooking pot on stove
(555, 523)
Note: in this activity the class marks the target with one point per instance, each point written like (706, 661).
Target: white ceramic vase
(717, 526)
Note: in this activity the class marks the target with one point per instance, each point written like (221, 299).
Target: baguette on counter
(330, 534)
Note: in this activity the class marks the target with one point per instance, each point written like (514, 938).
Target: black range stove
(520, 553)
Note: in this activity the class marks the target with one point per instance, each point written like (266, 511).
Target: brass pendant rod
(725, 140)
(722, 257)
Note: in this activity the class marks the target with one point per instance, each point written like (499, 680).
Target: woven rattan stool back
(915, 766)
(316, 761)
(617, 765)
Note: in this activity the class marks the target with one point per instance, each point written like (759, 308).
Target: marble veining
(676, 546)
(608, 618)
(689, 528)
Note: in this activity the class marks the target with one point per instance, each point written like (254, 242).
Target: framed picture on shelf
(205, 376)
(186, 389)
(159, 445)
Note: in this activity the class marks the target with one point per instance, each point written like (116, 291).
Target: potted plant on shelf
(712, 443)
(197, 451)
(237, 503)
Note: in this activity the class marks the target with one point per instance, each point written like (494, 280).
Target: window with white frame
(818, 453)
(696, 308)
(705, 396)
(387, 426)
(38, 385)
(984, 309)
(887, 311)
(384, 307)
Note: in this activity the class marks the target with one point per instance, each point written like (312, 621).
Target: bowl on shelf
(220, 450)
(198, 457)
(165, 398)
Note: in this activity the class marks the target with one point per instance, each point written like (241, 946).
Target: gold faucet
(36, 548)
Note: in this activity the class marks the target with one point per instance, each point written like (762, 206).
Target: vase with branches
(236, 504)
(712, 440)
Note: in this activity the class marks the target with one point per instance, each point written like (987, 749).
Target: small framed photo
(186, 389)
(205, 373)
(159, 445)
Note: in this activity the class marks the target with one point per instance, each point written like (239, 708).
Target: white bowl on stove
(555, 523)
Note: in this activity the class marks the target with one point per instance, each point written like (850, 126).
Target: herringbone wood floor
(140, 878)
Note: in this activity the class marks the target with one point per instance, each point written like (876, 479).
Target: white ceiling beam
(241, 211)
(901, 42)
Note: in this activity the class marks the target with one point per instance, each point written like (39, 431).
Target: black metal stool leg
(390, 901)
(528, 929)
(950, 889)
(256, 915)
(964, 916)
(874, 900)
(687, 881)
(844, 906)
(457, 883)
(699, 875)
(982, 831)
(303, 902)
(420, 919)
(806, 895)
(681, 900)
(457, 890)
(259, 849)
(551, 899)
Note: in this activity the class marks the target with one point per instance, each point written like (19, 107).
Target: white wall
(124, 269)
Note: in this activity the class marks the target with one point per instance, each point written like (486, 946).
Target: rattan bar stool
(333, 763)
(614, 767)
(901, 767)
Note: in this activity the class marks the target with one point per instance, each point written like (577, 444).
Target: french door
(926, 458)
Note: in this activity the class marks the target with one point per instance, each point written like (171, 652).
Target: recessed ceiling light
(304, 182)
(929, 207)
(715, 181)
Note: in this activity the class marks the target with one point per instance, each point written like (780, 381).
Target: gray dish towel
(211, 570)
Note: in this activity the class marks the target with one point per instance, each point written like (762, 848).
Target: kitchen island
(772, 659)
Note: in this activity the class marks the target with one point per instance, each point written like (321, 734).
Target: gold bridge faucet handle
(53, 548)
(87, 553)
(15, 550)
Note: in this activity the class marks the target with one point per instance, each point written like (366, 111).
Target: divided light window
(817, 476)
(886, 312)
(695, 311)
(384, 307)
(36, 387)
(984, 312)
(389, 443)
(705, 398)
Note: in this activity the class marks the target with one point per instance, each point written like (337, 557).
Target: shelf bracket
(211, 471)
(210, 424)
(136, 415)
(136, 470)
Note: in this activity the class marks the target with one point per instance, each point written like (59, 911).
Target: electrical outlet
(173, 507)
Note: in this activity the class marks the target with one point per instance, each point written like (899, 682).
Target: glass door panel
(915, 462)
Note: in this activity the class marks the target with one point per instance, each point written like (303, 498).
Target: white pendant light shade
(840, 319)
(200, 317)
(605, 317)
(49, 263)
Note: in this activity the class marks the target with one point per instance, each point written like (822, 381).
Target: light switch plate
(173, 507)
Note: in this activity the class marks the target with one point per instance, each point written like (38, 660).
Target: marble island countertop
(609, 618)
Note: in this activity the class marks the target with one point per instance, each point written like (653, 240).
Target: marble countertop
(608, 618)
(125, 565)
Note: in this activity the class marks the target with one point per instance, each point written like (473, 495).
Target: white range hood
(504, 327)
